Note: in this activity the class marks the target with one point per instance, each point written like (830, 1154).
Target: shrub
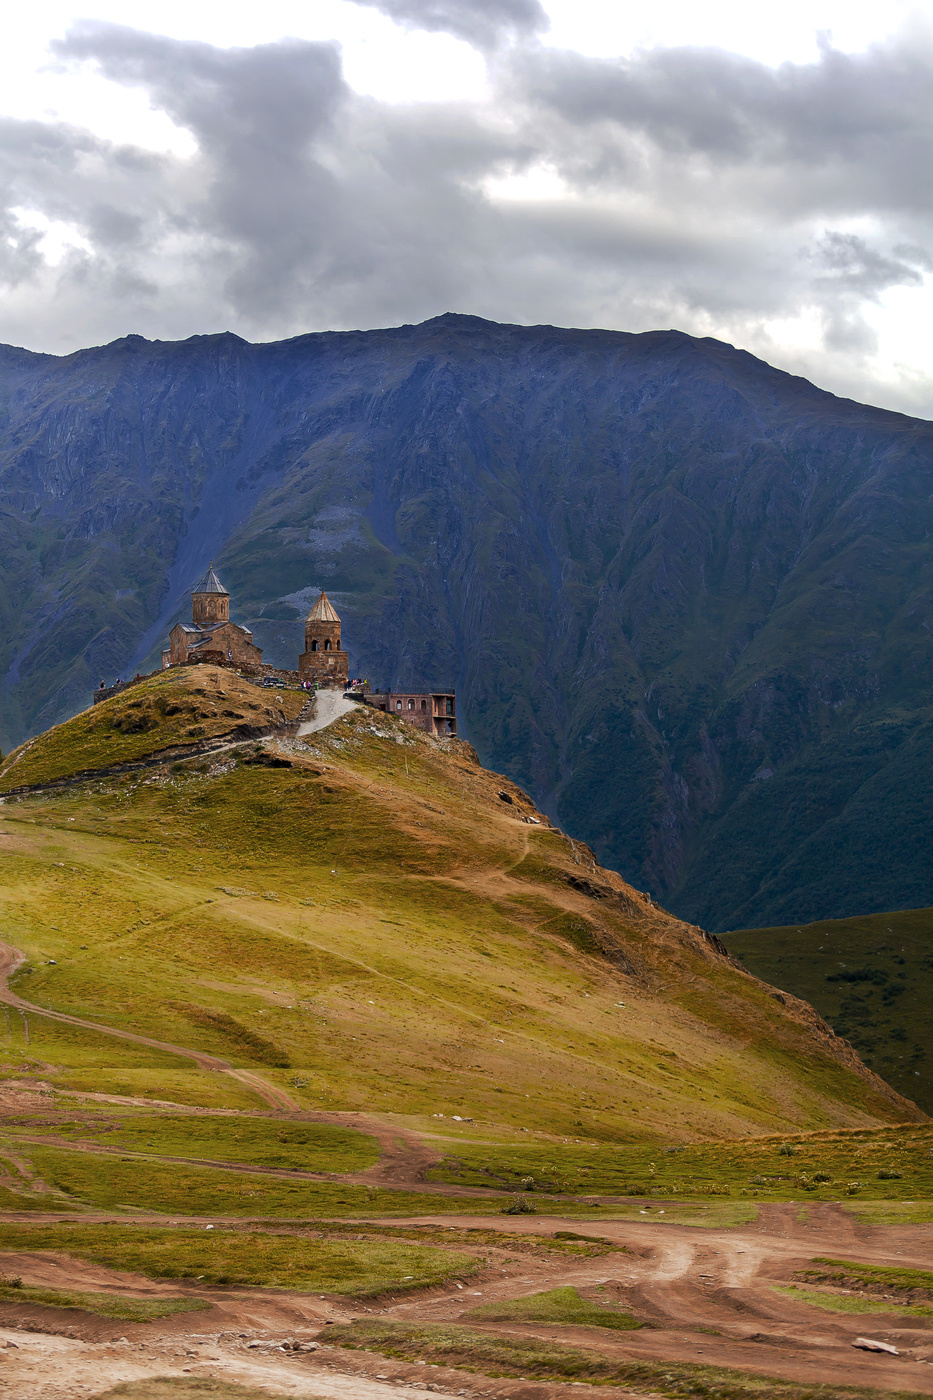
(519, 1207)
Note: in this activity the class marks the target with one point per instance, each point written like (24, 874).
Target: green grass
(871, 978)
(893, 1278)
(778, 1168)
(319, 1147)
(558, 1306)
(537, 1359)
(70, 1057)
(102, 1304)
(248, 1257)
(838, 1302)
(113, 1182)
(28, 1200)
(892, 1212)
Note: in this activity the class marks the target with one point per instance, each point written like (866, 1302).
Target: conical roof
(210, 583)
(323, 610)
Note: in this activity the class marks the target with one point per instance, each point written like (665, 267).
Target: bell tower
(210, 601)
(323, 659)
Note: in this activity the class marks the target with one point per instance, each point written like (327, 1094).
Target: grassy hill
(870, 977)
(374, 922)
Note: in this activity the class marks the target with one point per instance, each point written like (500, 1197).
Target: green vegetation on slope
(871, 977)
(107, 1182)
(840, 1303)
(316, 1147)
(917, 1284)
(75, 1058)
(370, 927)
(164, 710)
(888, 1164)
(226, 1257)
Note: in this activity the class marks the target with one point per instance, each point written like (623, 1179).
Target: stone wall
(326, 668)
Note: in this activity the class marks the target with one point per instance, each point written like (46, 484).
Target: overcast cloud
(682, 187)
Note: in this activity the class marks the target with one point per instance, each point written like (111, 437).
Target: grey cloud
(256, 115)
(709, 193)
(851, 263)
(864, 119)
(484, 23)
(850, 275)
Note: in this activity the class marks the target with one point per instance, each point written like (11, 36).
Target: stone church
(210, 635)
(323, 660)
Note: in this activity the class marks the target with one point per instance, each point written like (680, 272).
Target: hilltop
(684, 598)
(376, 922)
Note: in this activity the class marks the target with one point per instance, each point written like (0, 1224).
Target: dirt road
(705, 1296)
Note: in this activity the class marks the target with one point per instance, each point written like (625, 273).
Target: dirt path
(331, 705)
(11, 959)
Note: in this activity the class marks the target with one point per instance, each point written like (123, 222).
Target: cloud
(680, 187)
(484, 23)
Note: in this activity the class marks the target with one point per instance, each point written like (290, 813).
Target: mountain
(871, 977)
(685, 598)
(334, 914)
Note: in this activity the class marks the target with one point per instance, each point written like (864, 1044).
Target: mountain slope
(685, 598)
(871, 977)
(370, 920)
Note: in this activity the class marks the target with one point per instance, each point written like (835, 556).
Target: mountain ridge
(685, 597)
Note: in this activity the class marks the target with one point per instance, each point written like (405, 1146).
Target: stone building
(211, 636)
(435, 714)
(323, 661)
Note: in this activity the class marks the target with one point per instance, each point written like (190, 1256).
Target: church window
(398, 704)
(314, 646)
(327, 644)
(424, 704)
(411, 704)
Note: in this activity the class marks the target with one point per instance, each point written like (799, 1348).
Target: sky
(757, 174)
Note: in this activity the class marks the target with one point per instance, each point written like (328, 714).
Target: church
(210, 635)
(323, 661)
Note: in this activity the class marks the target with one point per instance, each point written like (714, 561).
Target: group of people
(120, 681)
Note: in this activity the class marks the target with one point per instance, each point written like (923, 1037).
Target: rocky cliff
(685, 598)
